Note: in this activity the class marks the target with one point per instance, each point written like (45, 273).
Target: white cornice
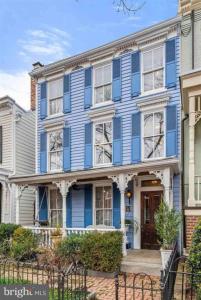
(107, 111)
(149, 103)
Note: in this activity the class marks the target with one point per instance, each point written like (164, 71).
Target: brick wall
(33, 94)
(191, 221)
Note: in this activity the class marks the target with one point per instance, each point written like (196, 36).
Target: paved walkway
(105, 288)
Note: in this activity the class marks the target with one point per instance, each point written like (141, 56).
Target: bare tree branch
(128, 6)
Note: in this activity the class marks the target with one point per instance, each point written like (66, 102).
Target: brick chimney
(33, 86)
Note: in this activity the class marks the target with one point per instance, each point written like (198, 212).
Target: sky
(49, 30)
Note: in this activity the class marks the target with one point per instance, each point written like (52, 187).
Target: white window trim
(48, 151)
(100, 121)
(48, 100)
(48, 208)
(100, 184)
(142, 136)
(154, 91)
(103, 64)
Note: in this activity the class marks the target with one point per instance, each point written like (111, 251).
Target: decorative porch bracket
(122, 181)
(64, 186)
(166, 179)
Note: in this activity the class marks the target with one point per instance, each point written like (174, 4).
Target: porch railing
(46, 232)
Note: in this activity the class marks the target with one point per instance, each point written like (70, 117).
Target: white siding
(6, 121)
(25, 144)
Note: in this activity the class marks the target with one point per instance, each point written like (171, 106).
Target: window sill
(149, 93)
(153, 159)
(50, 117)
(102, 166)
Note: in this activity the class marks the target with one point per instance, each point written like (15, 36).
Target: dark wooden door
(150, 202)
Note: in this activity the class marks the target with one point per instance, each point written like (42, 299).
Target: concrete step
(137, 267)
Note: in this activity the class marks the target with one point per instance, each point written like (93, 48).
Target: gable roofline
(7, 99)
(109, 48)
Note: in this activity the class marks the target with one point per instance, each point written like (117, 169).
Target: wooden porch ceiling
(98, 173)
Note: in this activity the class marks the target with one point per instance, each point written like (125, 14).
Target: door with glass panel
(150, 202)
(103, 205)
(55, 208)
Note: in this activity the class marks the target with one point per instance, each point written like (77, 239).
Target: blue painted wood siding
(78, 116)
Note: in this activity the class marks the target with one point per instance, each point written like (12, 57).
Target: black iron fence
(63, 283)
(175, 282)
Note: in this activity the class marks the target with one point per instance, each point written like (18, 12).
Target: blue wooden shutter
(171, 63)
(116, 80)
(66, 149)
(116, 207)
(43, 152)
(88, 205)
(171, 130)
(43, 100)
(136, 138)
(88, 88)
(117, 141)
(69, 209)
(88, 146)
(67, 96)
(135, 74)
(43, 209)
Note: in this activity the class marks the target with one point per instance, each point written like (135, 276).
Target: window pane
(107, 154)
(158, 123)
(59, 200)
(53, 199)
(55, 88)
(148, 147)
(158, 79)
(158, 146)
(99, 76)
(107, 197)
(56, 140)
(99, 95)
(107, 92)
(148, 82)
(53, 161)
(59, 160)
(108, 217)
(53, 218)
(107, 74)
(99, 134)
(108, 132)
(148, 125)
(99, 197)
(158, 57)
(99, 217)
(99, 155)
(60, 218)
(147, 61)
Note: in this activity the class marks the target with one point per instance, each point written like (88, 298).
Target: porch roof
(98, 173)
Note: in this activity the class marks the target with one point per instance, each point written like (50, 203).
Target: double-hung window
(55, 96)
(55, 208)
(103, 143)
(153, 69)
(103, 205)
(153, 140)
(103, 84)
(56, 150)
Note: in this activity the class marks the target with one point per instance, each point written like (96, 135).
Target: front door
(150, 202)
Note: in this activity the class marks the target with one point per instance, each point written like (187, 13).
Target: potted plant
(167, 223)
(56, 236)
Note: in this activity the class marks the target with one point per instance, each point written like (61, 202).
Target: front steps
(142, 261)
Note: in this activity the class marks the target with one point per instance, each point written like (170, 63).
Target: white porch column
(122, 181)
(64, 186)
(191, 198)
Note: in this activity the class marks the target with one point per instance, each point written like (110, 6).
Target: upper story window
(103, 84)
(153, 139)
(103, 205)
(55, 96)
(153, 69)
(103, 143)
(55, 150)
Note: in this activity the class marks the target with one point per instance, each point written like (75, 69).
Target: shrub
(97, 251)
(167, 222)
(24, 244)
(6, 232)
(194, 259)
